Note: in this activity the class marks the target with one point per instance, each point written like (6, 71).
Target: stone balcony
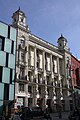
(31, 67)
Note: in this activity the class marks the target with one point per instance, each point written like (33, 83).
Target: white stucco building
(41, 69)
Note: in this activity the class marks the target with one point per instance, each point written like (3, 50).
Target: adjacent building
(43, 76)
(75, 68)
(7, 65)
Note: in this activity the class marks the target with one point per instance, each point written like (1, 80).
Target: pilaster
(35, 61)
(26, 97)
(44, 71)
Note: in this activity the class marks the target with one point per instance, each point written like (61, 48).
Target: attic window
(60, 44)
(15, 20)
(65, 44)
(21, 19)
(22, 42)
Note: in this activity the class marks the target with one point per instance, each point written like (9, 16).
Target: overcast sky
(47, 19)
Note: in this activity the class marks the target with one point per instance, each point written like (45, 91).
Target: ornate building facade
(42, 70)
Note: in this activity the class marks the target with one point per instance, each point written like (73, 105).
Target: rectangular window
(1, 91)
(39, 89)
(21, 87)
(0, 43)
(12, 33)
(11, 92)
(22, 43)
(9, 32)
(29, 89)
(10, 76)
(7, 56)
(1, 69)
(22, 71)
(2, 40)
(7, 45)
(6, 92)
(6, 75)
(12, 48)
(22, 57)
(37, 64)
(11, 61)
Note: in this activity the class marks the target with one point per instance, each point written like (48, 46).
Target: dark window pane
(10, 76)
(8, 31)
(7, 56)
(1, 68)
(29, 89)
(2, 40)
(12, 48)
(6, 92)
(0, 43)
(21, 87)
(22, 57)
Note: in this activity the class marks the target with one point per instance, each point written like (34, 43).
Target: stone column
(16, 92)
(51, 66)
(58, 68)
(19, 55)
(35, 61)
(26, 61)
(58, 65)
(44, 71)
(45, 98)
(26, 97)
(35, 95)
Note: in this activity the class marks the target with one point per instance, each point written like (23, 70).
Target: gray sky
(47, 19)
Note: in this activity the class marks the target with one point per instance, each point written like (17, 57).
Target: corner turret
(62, 43)
(19, 19)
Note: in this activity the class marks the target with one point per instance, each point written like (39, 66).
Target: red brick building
(75, 67)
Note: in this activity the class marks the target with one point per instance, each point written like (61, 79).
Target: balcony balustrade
(40, 70)
(23, 77)
(48, 72)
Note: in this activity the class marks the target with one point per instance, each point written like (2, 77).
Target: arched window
(22, 41)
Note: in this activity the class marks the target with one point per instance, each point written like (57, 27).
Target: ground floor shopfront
(42, 95)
